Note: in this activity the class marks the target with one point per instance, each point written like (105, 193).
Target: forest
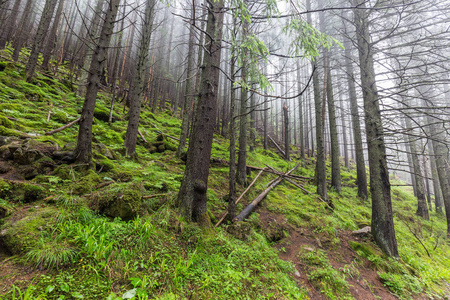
(224, 149)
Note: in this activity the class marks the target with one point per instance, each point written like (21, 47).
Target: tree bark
(84, 143)
(21, 34)
(422, 209)
(192, 195)
(190, 89)
(286, 134)
(136, 90)
(42, 30)
(6, 33)
(361, 176)
(382, 217)
(51, 41)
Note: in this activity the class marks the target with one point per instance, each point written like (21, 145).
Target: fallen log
(240, 197)
(276, 145)
(248, 210)
(63, 127)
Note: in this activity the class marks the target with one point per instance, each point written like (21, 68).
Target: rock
(297, 273)
(4, 140)
(64, 156)
(105, 151)
(118, 200)
(4, 167)
(20, 232)
(25, 155)
(362, 232)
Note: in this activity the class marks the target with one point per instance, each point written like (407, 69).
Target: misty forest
(224, 149)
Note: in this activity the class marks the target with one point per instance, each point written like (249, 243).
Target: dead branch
(63, 127)
(240, 197)
(248, 210)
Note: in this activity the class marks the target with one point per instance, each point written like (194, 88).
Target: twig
(142, 136)
(63, 127)
(153, 196)
(415, 235)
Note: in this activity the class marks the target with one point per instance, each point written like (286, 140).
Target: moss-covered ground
(71, 247)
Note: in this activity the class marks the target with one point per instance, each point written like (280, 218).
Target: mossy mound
(87, 183)
(118, 200)
(22, 229)
(21, 191)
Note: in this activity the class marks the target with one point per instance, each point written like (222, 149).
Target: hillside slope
(113, 232)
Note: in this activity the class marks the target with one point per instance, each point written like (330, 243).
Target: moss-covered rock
(86, 184)
(21, 230)
(118, 200)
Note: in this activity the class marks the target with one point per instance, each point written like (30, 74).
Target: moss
(22, 235)
(86, 183)
(365, 249)
(6, 123)
(60, 116)
(5, 189)
(65, 172)
(118, 200)
(32, 193)
(9, 132)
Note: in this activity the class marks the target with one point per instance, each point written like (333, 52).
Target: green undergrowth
(68, 228)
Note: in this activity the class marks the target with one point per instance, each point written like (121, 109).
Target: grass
(159, 256)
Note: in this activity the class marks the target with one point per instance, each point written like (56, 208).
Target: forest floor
(113, 232)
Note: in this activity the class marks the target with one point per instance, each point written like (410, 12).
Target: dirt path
(364, 286)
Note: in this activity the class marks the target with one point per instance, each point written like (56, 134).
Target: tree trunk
(6, 33)
(382, 217)
(137, 89)
(192, 194)
(300, 113)
(335, 163)
(232, 171)
(361, 176)
(241, 175)
(287, 141)
(92, 40)
(84, 143)
(22, 34)
(190, 89)
(51, 41)
(422, 209)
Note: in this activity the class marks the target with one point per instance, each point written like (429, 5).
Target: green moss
(87, 182)
(118, 200)
(9, 132)
(365, 249)
(31, 192)
(22, 235)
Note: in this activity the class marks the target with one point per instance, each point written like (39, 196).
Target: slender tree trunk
(335, 163)
(232, 172)
(241, 175)
(51, 41)
(252, 122)
(435, 176)
(287, 135)
(320, 175)
(192, 194)
(92, 40)
(361, 177)
(21, 34)
(382, 217)
(84, 144)
(300, 113)
(422, 209)
(136, 91)
(6, 33)
(42, 30)
(190, 89)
